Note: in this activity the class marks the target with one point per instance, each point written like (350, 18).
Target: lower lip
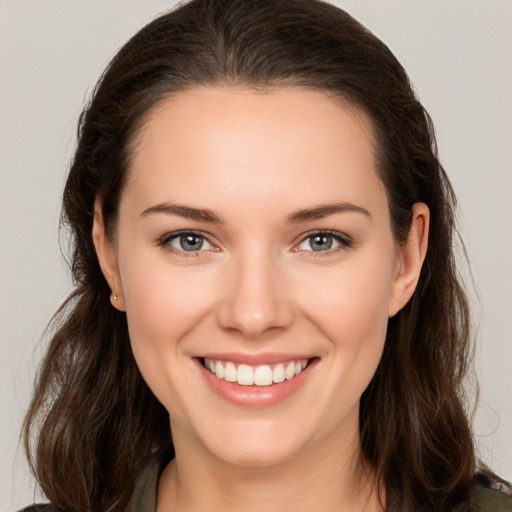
(256, 396)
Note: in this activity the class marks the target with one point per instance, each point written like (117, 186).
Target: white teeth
(262, 375)
(290, 371)
(230, 372)
(245, 375)
(278, 373)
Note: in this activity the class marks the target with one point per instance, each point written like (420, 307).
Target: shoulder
(144, 495)
(491, 494)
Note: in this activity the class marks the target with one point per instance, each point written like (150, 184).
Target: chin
(257, 456)
(256, 446)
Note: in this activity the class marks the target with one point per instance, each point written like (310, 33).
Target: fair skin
(263, 279)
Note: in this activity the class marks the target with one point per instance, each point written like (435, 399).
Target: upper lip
(255, 359)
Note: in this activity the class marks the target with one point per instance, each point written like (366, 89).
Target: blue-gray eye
(189, 242)
(321, 242)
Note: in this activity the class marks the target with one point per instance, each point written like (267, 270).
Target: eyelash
(344, 241)
(164, 242)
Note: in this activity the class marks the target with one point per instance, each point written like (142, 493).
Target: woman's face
(254, 238)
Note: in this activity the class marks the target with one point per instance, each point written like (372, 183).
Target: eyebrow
(318, 212)
(297, 217)
(182, 210)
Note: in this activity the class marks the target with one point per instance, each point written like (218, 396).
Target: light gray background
(459, 55)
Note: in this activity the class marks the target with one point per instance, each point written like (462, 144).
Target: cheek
(351, 306)
(350, 311)
(163, 303)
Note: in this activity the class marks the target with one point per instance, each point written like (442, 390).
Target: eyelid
(164, 242)
(344, 241)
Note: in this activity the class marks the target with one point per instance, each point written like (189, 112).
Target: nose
(255, 299)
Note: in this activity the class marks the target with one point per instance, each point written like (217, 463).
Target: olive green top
(497, 498)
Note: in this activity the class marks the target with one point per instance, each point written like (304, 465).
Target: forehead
(280, 142)
(207, 107)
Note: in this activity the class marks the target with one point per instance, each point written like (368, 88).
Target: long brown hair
(93, 422)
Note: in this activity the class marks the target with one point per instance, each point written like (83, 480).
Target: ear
(411, 255)
(107, 257)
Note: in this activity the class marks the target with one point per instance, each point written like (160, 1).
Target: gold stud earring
(113, 295)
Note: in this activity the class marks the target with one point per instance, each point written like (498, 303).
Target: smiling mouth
(261, 375)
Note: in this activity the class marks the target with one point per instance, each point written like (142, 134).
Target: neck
(322, 478)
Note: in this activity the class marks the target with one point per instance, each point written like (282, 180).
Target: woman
(267, 313)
